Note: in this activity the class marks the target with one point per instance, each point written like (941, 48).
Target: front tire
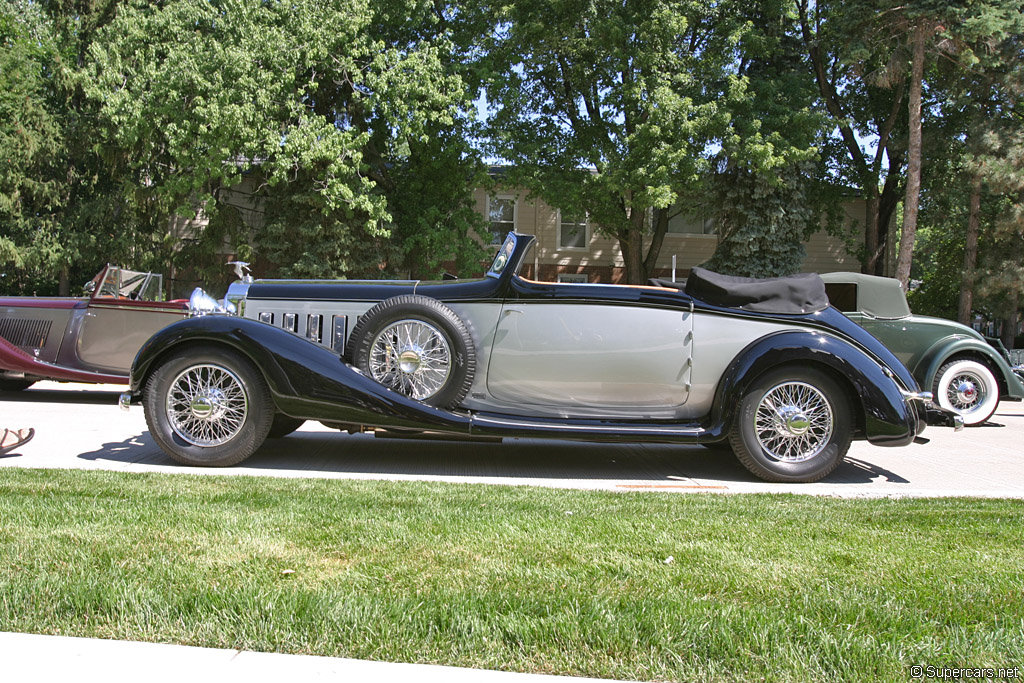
(969, 388)
(208, 406)
(793, 425)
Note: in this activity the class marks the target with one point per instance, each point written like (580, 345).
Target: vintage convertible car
(92, 338)
(966, 373)
(766, 366)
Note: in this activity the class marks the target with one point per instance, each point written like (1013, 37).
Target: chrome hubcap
(207, 405)
(965, 392)
(794, 422)
(411, 357)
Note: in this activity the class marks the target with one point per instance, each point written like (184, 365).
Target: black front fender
(306, 380)
(888, 418)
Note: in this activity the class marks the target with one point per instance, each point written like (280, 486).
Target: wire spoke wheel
(412, 357)
(207, 405)
(966, 391)
(793, 422)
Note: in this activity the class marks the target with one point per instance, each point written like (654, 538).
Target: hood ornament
(242, 271)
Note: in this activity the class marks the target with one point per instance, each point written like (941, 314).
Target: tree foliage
(355, 123)
(323, 100)
(769, 191)
(607, 108)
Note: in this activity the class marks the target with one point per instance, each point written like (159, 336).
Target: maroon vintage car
(92, 338)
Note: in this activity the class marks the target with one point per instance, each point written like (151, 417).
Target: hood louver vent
(27, 335)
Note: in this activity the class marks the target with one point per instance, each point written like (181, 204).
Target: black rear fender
(885, 419)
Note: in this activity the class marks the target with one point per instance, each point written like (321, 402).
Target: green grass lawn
(759, 587)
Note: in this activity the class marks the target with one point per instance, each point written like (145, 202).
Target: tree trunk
(913, 195)
(963, 314)
(633, 256)
(888, 202)
(1012, 318)
(871, 248)
(64, 282)
(660, 228)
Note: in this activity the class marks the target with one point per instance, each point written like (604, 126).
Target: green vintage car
(965, 373)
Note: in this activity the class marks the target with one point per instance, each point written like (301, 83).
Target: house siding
(602, 260)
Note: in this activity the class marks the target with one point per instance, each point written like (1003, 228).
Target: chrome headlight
(201, 303)
(234, 300)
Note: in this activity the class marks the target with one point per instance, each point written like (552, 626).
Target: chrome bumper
(925, 397)
(125, 401)
(934, 414)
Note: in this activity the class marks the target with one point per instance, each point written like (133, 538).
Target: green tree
(974, 160)
(70, 200)
(865, 98)
(608, 109)
(322, 100)
(29, 132)
(872, 61)
(769, 190)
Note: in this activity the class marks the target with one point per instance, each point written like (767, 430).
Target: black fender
(306, 380)
(888, 418)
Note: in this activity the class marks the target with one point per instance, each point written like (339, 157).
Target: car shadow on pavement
(61, 396)
(514, 461)
(853, 471)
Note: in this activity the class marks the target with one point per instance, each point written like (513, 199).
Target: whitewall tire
(969, 388)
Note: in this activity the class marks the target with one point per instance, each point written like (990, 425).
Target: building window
(572, 231)
(572, 277)
(501, 212)
(691, 224)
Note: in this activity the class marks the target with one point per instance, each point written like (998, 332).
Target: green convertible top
(878, 297)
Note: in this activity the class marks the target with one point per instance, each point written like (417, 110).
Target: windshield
(129, 284)
(502, 257)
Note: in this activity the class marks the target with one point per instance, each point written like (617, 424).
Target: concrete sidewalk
(27, 657)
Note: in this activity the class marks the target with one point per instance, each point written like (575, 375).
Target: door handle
(515, 309)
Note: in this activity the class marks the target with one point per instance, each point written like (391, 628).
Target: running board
(489, 424)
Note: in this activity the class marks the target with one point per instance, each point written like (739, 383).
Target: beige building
(571, 250)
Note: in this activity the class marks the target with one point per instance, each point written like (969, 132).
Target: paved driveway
(80, 426)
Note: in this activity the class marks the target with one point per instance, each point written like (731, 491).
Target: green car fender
(957, 345)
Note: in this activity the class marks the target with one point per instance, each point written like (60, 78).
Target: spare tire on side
(416, 346)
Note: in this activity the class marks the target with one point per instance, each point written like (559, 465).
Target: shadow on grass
(364, 456)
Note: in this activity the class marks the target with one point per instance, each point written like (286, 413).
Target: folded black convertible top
(793, 294)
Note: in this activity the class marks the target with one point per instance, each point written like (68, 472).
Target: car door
(114, 327)
(113, 331)
(624, 359)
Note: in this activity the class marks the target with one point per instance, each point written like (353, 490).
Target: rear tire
(208, 406)
(793, 425)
